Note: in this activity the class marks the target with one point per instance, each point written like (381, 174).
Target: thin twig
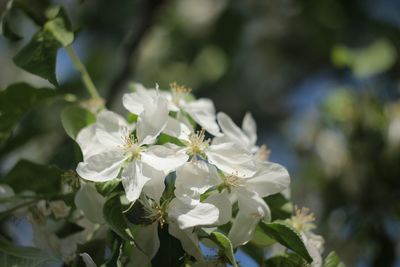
(87, 81)
(130, 47)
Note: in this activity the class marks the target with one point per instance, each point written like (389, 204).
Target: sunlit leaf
(286, 236)
(285, 260)
(225, 246)
(332, 260)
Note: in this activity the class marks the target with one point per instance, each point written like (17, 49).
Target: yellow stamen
(178, 92)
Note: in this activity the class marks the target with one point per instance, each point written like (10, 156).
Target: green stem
(83, 71)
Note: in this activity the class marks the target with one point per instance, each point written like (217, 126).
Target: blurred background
(321, 78)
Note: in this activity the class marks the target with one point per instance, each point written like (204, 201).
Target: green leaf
(170, 253)
(39, 56)
(11, 255)
(34, 9)
(287, 236)
(16, 100)
(285, 260)
(261, 239)
(332, 260)
(280, 207)
(59, 25)
(74, 118)
(8, 32)
(41, 179)
(115, 218)
(225, 245)
(106, 188)
(91, 203)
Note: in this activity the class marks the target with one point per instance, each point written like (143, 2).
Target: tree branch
(129, 49)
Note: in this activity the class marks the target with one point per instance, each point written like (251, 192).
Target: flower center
(303, 219)
(197, 144)
(178, 92)
(132, 147)
(154, 212)
(233, 181)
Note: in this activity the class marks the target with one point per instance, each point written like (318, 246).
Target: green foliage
(287, 236)
(261, 239)
(286, 260)
(171, 253)
(16, 100)
(225, 246)
(115, 218)
(364, 62)
(332, 260)
(26, 175)
(74, 118)
(39, 55)
(91, 203)
(281, 207)
(11, 255)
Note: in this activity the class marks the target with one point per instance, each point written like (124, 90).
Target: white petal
(88, 142)
(271, 178)
(233, 132)
(152, 121)
(189, 240)
(177, 129)
(249, 126)
(154, 188)
(202, 111)
(222, 202)
(135, 102)
(101, 167)
(147, 239)
(171, 105)
(192, 215)
(90, 202)
(252, 209)
(165, 158)
(242, 229)
(111, 129)
(250, 203)
(194, 179)
(231, 159)
(133, 179)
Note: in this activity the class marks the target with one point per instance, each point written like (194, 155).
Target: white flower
(303, 221)
(182, 213)
(201, 110)
(270, 179)
(228, 157)
(245, 137)
(117, 148)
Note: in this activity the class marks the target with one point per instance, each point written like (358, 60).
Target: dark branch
(129, 49)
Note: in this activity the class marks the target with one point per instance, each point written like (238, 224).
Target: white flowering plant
(171, 183)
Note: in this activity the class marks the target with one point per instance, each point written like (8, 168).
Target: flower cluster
(176, 140)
